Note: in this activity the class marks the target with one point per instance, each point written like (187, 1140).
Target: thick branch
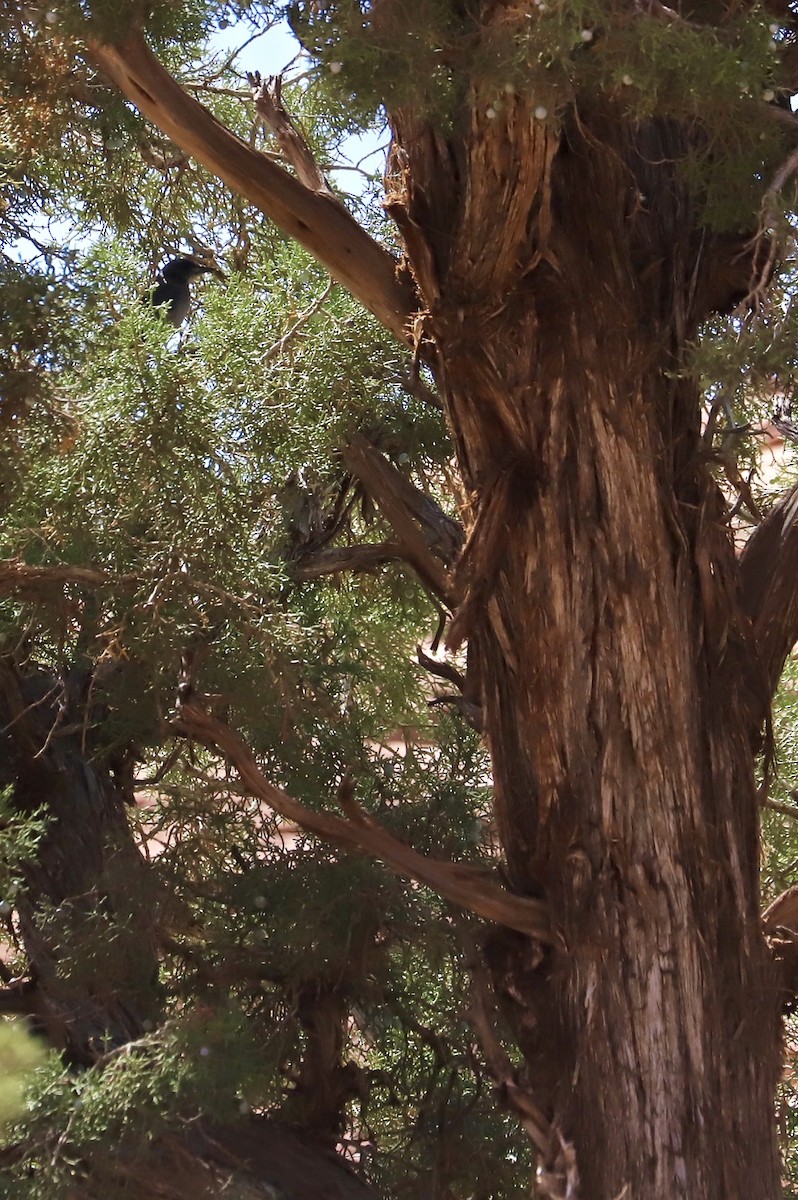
(320, 224)
(769, 595)
(461, 884)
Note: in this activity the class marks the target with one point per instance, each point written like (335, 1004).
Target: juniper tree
(575, 191)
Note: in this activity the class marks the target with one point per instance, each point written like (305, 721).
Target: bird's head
(185, 268)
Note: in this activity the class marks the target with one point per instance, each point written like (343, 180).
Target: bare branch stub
(267, 96)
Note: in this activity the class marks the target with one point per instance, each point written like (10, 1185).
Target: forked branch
(430, 540)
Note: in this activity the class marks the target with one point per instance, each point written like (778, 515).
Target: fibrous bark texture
(562, 272)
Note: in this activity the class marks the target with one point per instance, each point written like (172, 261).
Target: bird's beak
(211, 269)
(201, 267)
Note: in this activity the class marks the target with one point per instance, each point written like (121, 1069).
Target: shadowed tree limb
(482, 1017)
(318, 222)
(347, 558)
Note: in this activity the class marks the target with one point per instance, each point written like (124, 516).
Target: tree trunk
(87, 910)
(563, 272)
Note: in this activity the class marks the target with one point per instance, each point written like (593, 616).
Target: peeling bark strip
(318, 222)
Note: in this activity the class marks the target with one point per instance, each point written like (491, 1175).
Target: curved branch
(21, 578)
(466, 886)
(318, 222)
(769, 590)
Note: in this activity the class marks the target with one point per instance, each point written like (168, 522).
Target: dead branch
(557, 1176)
(461, 884)
(267, 95)
(482, 1017)
(428, 537)
(321, 224)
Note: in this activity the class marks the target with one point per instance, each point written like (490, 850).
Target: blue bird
(172, 293)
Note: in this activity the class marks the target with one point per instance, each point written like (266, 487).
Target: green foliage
(438, 59)
(190, 472)
(136, 1092)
